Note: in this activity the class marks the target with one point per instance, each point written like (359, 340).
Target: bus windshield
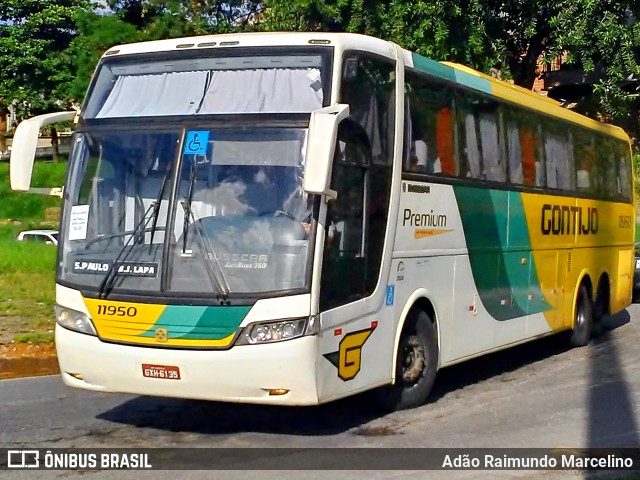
(189, 211)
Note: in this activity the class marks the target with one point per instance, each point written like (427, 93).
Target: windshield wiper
(216, 275)
(214, 271)
(107, 283)
(157, 204)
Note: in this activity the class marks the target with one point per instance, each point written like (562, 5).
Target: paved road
(536, 395)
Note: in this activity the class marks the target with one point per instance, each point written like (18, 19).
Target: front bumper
(241, 374)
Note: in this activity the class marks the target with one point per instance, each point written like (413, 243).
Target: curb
(28, 367)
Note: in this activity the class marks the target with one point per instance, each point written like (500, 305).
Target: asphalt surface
(541, 394)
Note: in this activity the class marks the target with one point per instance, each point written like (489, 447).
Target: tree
(440, 29)
(96, 33)
(33, 36)
(603, 36)
(489, 35)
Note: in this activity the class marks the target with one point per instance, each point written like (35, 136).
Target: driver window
(344, 262)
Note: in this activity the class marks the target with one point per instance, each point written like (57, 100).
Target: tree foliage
(34, 34)
(49, 48)
(603, 37)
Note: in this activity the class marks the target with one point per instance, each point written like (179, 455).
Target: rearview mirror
(321, 144)
(23, 151)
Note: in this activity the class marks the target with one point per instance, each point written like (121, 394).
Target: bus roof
(453, 72)
(259, 39)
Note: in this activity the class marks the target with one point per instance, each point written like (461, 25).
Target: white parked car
(50, 237)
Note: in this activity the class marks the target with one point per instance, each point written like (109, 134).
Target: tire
(583, 321)
(416, 364)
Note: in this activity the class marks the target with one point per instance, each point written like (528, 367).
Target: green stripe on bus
(434, 68)
(473, 81)
(497, 239)
(199, 323)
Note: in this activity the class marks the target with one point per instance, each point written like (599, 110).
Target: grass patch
(30, 295)
(26, 257)
(35, 337)
(17, 205)
(27, 269)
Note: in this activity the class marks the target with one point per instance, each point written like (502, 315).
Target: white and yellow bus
(292, 218)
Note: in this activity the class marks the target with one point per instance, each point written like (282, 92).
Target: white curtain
(174, 93)
(560, 164)
(218, 91)
(493, 169)
(473, 150)
(514, 153)
(266, 90)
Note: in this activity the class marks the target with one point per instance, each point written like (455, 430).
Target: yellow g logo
(348, 358)
(161, 335)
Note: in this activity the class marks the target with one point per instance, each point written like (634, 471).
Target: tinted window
(523, 147)
(357, 219)
(429, 127)
(479, 123)
(585, 157)
(558, 152)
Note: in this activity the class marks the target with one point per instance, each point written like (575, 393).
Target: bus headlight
(269, 332)
(74, 320)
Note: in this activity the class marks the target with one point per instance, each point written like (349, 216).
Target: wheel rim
(413, 360)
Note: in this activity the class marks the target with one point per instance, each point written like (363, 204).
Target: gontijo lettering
(568, 220)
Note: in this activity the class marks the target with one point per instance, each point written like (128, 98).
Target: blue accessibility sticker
(196, 142)
(391, 290)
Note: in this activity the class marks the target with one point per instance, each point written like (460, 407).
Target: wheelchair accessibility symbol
(196, 142)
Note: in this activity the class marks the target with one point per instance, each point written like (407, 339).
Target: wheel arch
(418, 299)
(584, 278)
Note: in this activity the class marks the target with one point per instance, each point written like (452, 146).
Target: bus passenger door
(357, 325)
(348, 262)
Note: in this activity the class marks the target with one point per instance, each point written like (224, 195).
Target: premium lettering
(423, 219)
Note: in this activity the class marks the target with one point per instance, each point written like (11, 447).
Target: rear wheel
(416, 364)
(583, 321)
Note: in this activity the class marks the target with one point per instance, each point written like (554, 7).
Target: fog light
(278, 391)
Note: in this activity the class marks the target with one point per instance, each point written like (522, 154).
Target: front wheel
(416, 364)
(583, 322)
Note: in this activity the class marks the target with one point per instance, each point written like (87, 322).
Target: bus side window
(479, 122)
(584, 153)
(624, 173)
(558, 149)
(430, 126)
(357, 220)
(523, 148)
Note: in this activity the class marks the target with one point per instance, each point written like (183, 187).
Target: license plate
(166, 372)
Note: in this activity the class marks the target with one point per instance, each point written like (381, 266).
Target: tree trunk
(54, 144)
(3, 131)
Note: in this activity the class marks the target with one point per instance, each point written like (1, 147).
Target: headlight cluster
(74, 320)
(269, 332)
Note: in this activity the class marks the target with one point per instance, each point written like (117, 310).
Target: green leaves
(49, 48)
